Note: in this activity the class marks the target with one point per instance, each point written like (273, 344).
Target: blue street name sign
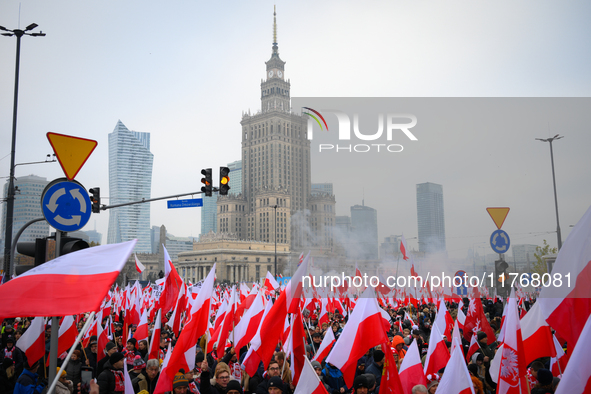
(192, 202)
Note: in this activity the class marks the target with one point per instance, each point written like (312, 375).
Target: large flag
(247, 328)
(67, 334)
(570, 290)
(142, 332)
(309, 382)
(32, 343)
(298, 347)
(325, 346)
(456, 378)
(509, 363)
(155, 342)
(476, 321)
(437, 353)
(444, 321)
(183, 355)
(390, 383)
(411, 370)
(294, 288)
(366, 328)
(53, 288)
(270, 282)
(576, 379)
(537, 336)
(252, 359)
(172, 285)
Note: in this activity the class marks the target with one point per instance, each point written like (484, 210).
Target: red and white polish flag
(67, 334)
(437, 353)
(558, 364)
(576, 379)
(366, 328)
(138, 264)
(325, 346)
(60, 281)
(456, 378)
(270, 282)
(403, 248)
(559, 301)
(411, 370)
(309, 381)
(155, 342)
(32, 343)
(537, 336)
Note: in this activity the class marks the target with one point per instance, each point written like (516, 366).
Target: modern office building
(390, 248)
(322, 188)
(27, 206)
(130, 179)
(430, 218)
(235, 177)
(365, 230)
(209, 214)
(523, 256)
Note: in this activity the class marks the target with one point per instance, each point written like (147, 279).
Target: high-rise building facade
(235, 177)
(27, 206)
(209, 216)
(130, 179)
(364, 221)
(430, 218)
(276, 181)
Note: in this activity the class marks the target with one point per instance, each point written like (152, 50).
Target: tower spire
(275, 47)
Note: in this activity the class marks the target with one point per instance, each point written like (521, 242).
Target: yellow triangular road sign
(498, 215)
(71, 152)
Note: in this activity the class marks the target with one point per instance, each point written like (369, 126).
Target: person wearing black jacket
(7, 376)
(109, 349)
(111, 380)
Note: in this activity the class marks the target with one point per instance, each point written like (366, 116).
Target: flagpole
(72, 349)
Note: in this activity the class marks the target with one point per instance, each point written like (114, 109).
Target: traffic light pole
(8, 274)
(55, 321)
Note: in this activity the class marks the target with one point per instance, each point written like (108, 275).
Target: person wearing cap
(91, 354)
(7, 376)
(130, 352)
(275, 386)
(14, 353)
(180, 383)
(28, 382)
(377, 366)
(138, 366)
(360, 385)
(148, 378)
(64, 386)
(234, 387)
(110, 348)
(111, 380)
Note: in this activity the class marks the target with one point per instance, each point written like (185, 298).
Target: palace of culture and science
(276, 207)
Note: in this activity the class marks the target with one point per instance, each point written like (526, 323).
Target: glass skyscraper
(27, 206)
(364, 221)
(430, 217)
(130, 179)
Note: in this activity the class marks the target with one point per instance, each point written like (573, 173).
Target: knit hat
(432, 380)
(64, 373)
(545, 377)
(180, 380)
(132, 340)
(276, 381)
(378, 355)
(473, 368)
(371, 379)
(360, 381)
(234, 385)
(316, 364)
(115, 357)
(110, 345)
(138, 363)
(481, 335)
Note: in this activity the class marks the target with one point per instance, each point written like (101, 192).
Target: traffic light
(95, 199)
(502, 278)
(70, 245)
(224, 181)
(37, 250)
(207, 182)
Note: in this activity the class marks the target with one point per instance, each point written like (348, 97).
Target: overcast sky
(185, 70)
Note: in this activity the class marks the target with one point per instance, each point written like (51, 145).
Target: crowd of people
(226, 375)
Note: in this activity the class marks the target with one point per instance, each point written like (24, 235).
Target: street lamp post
(10, 193)
(556, 137)
(275, 208)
